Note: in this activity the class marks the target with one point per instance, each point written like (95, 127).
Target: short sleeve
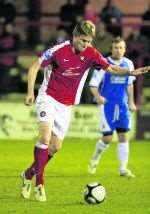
(96, 78)
(46, 58)
(49, 55)
(131, 79)
(99, 61)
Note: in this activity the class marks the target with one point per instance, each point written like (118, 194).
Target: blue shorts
(114, 116)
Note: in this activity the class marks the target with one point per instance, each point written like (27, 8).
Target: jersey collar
(116, 62)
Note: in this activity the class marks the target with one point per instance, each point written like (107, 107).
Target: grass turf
(67, 175)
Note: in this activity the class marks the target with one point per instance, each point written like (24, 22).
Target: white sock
(100, 148)
(123, 155)
(41, 145)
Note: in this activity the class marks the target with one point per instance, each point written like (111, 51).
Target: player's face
(81, 42)
(118, 50)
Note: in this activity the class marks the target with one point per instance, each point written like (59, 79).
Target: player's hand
(101, 100)
(29, 100)
(132, 107)
(140, 71)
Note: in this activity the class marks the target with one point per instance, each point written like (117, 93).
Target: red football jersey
(70, 70)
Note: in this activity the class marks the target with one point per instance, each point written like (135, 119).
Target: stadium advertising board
(143, 116)
(19, 122)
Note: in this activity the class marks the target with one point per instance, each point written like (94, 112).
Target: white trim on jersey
(104, 126)
(123, 59)
(116, 62)
(80, 87)
(43, 86)
(49, 52)
(96, 78)
(131, 79)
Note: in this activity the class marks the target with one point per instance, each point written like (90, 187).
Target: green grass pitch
(66, 176)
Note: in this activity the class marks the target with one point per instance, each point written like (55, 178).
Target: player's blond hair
(86, 28)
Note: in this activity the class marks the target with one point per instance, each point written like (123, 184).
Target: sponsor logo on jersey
(118, 79)
(66, 60)
(72, 71)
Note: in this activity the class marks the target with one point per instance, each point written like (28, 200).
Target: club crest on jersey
(82, 58)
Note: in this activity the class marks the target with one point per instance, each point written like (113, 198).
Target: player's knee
(45, 140)
(122, 138)
(107, 139)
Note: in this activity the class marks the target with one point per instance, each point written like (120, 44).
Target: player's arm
(101, 62)
(94, 83)
(44, 60)
(130, 91)
(122, 71)
(32, 74)
(99, 99)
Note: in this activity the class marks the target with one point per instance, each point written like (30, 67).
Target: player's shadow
(73, 176)
(56, 176)
(77, 203)
(59, 204)
(13, 199)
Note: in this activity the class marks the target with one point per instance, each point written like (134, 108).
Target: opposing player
(114, 94)
(70, 63)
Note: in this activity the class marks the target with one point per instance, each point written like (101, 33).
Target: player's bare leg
(54, 145)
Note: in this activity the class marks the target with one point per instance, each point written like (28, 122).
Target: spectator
(9, 44)
(80, 7)
(103, 39)
(90, 13)
(7, 11)
(71, 13)
(33, 30)
(112, 17)
(67, 16)
(138, 52)
(137, 46)
(146, 18)
(60, 36)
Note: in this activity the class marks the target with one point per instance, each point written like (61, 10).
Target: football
(94, 193)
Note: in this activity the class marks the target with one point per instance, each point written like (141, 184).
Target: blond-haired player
(70, 62)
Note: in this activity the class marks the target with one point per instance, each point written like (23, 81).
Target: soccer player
(70, 62)
(114, 94)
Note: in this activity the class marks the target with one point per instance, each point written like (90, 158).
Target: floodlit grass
(67, 175)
